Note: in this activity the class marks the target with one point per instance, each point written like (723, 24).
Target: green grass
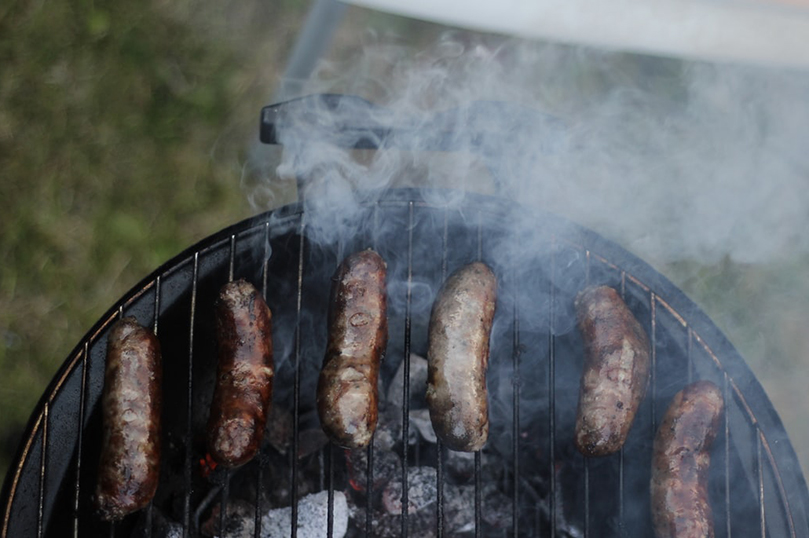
(123, 134)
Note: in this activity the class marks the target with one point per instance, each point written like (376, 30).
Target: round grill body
(756, 485)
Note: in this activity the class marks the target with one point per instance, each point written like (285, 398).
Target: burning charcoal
(459, 509)
(386, 466)
(418, 383)
(421, 491)
(421, 524)
(239, 520)
(312, 517)
(422, 425)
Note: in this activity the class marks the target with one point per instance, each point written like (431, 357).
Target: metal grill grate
(755, 479)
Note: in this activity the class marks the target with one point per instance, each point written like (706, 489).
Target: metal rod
(653, 375)
(760, 468)
(369, 488)
(82, 405)
(232, 257)
(261, 460)
(726, 394)
(150, 506)
(406, 371)
(297, 384)
(223, 504)
(586, 497)
(552, 386)
(369, 471)
(330, 513)
(190, 402)
(257, 514)
(586, 459)
(478, 502)
(621, 491)
(439, 445)
(621, 468)
(689, 356)
(515, 432)
(42, 467)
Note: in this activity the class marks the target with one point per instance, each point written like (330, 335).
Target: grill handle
(488, 129)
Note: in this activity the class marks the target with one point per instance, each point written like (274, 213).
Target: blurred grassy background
(124, 134)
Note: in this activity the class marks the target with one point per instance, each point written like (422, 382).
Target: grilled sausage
(458, 356)
(243, 393)
(680, 507)
(616, 371)
(130, 448)
(347, 390)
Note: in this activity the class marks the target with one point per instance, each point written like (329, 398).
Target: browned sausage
(347, 390)
(458, 356)
(616, 371)
(680, 507)
(243, 393)
(130, 448)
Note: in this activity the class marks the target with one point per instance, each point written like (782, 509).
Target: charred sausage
(347, 390)
(680, 507)
(458, 356)
(243, 393)
(130, 448)
(616, 371)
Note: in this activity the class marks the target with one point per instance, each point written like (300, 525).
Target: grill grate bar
(150, 506)
(296, 399)
(726, 418)
(369, 470)
(587, 460)
(477, 454)
(43, 458)
(261, 459)
(190, 401)
(690, 356)
(82, 406)
(439, 445)
(621, 451)
(478, 526)
(232, 261)
(760, 470)
(515, 432)
(552, 386)
(330, 445)
(653, 375)
(406, 372)
(225, 492)
(330, 513)
(369, 488)
(223, 503)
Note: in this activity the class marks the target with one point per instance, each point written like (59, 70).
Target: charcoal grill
(756, 485)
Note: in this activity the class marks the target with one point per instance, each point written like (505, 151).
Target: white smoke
(674, 160)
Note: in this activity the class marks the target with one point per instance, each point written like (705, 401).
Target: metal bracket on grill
(489, 129)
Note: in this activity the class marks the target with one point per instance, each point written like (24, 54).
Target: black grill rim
(792, 480)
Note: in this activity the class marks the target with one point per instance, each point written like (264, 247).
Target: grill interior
(756, 486)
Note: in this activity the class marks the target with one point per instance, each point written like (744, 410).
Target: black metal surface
(756, 483)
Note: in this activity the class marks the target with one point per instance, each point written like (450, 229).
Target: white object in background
(773, 32)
